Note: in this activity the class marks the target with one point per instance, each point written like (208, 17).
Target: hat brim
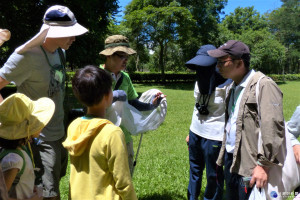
(43, 110)
(200, 61)
(39, 114)
(112, 50)
(217, 53)
(66, 31)
(51, 32)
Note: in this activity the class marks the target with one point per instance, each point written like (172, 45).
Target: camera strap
(204, 98)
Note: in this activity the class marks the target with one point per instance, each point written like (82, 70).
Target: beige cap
(116, 43)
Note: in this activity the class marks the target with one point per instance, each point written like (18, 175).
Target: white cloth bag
(123, 114)
(282, 180)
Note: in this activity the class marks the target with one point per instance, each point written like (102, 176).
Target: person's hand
(158, 97)
(296, 149)
(187, 139)
(259, 177)
(119, 95)
(4, 36)
(37, 193)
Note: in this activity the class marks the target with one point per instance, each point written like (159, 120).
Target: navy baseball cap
(231, 47)
(202, 59)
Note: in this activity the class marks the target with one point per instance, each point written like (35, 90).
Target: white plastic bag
(281, 179)
(257, 195)
(123, 114)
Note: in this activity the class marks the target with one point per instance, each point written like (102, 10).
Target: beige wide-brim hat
(4, 36)
(20, 117)
(59, 22)
(116, 43)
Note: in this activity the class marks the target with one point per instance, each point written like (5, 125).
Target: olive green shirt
(131, 93)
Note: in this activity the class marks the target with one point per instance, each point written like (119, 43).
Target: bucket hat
(231, 47)
(116, 43)
(4, 36)
(58, 21)
(21, 117)
(202, 59)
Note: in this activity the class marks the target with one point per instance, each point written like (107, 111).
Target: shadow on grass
(164, 196)
(281, 83)
(173, 86)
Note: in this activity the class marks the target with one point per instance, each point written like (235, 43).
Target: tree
(185, 25)
(285, 24)
(24, 19)
(205, 31)
(158, 26)
(244, 19)
(267, 53)
(247, 25)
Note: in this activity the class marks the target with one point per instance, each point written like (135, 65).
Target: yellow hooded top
(99, 163)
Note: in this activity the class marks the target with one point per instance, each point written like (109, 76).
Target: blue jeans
(204, 152)
(235, 187)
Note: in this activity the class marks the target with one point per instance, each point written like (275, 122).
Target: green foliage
(246, 24)
(244, 19)
(285, 24)
(139, 77)
(174, 30)
(285, 77)
(158, 26)
(267, 53)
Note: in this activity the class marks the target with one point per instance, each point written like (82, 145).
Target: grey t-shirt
(35, 78)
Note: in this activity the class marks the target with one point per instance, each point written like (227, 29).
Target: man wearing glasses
(244, 166)
(117, 52)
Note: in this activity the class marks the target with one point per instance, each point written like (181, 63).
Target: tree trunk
(161, 62)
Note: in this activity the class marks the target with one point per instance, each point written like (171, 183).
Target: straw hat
(116, 43)
(20, 117)
(4, 36)
(59, 21)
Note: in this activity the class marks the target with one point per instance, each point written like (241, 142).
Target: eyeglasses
(222, 63)
(122, 56)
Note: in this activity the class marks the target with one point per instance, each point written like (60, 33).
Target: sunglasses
(122, 56)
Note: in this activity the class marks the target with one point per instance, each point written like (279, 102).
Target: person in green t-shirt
(117, 52)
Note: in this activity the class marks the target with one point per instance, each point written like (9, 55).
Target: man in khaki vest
(244, 166)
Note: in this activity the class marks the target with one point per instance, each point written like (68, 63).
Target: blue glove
(119, 95)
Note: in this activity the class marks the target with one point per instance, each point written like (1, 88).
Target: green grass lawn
(162, 169)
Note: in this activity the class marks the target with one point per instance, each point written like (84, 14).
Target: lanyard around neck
(234, 100)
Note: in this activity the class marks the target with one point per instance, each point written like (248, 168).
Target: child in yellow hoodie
(99, 163)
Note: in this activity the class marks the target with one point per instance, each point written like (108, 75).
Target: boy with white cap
(21, 120)
(37, 68)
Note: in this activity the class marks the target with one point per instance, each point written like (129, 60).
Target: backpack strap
(62, 57)
(119, 82)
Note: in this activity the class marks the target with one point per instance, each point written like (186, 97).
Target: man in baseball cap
(38, 70)
(243, 163)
